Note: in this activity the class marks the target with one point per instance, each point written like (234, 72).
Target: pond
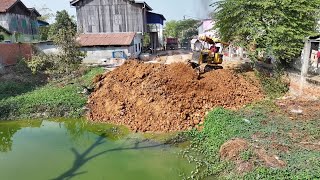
(76, 149)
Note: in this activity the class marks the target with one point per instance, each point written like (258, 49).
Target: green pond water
(76, 149)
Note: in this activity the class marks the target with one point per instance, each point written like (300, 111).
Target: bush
(22, 66)
(41, 62)
(275, 85)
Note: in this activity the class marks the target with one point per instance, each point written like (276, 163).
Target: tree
(64, 34)
(277, 27)
(171, 29)
(62, 21)
(44, 32)
(183, 29)
(46, 15)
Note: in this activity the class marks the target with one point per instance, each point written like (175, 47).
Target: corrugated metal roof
(6, 4)
(106, 39)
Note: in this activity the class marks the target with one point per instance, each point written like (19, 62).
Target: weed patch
(263, 126)
(51, 100)
(273, 86)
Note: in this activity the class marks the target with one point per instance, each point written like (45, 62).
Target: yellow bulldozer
(210, 58)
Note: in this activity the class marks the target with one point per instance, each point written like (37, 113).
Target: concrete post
(230, 51)
(306, 58)
(241, 52)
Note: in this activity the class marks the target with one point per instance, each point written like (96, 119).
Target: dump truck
(172, 43)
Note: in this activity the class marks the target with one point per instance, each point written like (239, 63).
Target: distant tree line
(185, 30)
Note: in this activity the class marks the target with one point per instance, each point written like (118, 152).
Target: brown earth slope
(163, 98)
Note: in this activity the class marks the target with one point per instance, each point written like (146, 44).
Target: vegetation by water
(275, 133)
(55, 99)
(74, 127)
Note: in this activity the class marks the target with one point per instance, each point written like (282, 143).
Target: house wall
(158, 39)
(137, 48)
(314, 67)
(9, 53)
(100, 54)
(97, 55)
(47, 47)
(206, 28)
(98, 16)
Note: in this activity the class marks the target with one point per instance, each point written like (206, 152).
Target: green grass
(51, 100)
(266, 119)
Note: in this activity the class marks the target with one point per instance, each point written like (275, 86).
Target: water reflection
(9, 129)
(76, 130)
(82, 150)
(82, 158)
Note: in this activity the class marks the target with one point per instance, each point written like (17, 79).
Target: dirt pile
(163, 98)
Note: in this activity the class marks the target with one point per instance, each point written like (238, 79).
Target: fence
(10, 53)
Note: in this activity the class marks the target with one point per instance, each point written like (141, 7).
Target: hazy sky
(171, 9)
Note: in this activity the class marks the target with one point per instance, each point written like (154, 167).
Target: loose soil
(166, 98)
(300, 109)
(231, 149)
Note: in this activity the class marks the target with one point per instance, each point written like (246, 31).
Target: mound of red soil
(163, 98)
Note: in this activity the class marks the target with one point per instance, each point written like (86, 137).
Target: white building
(109, 46)
(206, 28)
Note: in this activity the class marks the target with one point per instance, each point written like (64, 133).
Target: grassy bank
(263, 126)
(54, 99)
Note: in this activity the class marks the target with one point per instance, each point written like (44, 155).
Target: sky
(171, 9)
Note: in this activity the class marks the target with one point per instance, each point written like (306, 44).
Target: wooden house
(104, 16)
(114, 18)
(19, 20)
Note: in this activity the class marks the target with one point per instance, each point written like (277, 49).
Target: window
(24, 24)
(139, 46)
(136, 47)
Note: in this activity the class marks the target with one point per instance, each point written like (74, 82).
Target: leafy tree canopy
(64, 35)
(46, 13)
(277, 27)
(62, 21)
(182, 29)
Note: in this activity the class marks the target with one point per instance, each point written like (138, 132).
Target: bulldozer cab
(212, 56)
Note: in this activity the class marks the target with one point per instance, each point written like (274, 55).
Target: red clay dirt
(165, 98)
(231, 149)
